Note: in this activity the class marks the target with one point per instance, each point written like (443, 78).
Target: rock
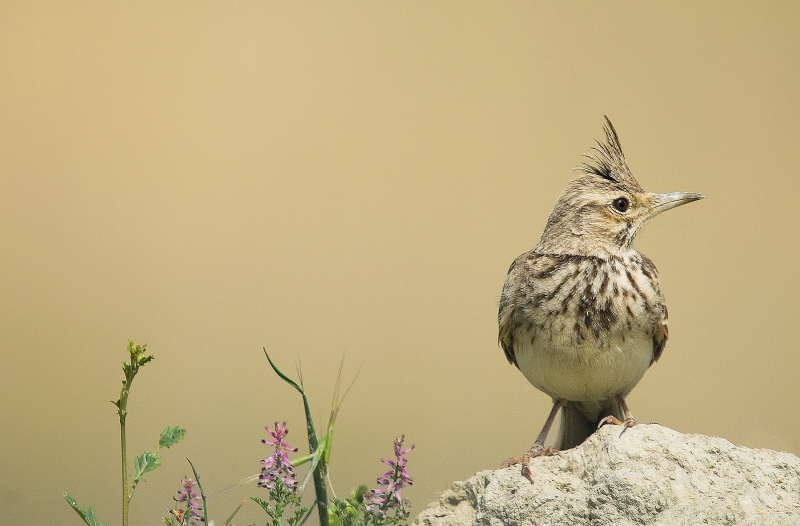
(647, 474)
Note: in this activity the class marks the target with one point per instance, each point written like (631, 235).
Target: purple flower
(277, 466)
(187, 495)
(379, 500)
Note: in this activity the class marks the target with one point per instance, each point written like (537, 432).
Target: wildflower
(377, 501)
(187, 495)
(277, 466)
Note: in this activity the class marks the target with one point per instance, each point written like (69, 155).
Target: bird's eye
(620, 204)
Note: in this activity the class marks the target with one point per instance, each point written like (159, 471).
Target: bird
(582, 315)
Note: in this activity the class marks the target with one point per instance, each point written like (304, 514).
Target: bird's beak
(663, 202)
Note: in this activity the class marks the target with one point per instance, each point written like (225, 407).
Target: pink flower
(277, 466)
(379, 500)
(187, 495)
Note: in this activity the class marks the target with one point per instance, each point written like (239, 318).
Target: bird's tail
(579, 420)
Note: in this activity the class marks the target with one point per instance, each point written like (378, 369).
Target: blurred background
(329, 179)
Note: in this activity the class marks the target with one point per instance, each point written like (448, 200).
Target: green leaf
(283, 376)
(88, 515)
(317, 459)
(171, 436)
(308, 512)
(264, 504)
(141, 360)
(357, 495)
(298, 519)
(202, 493)
(229, 519)
(145, 462)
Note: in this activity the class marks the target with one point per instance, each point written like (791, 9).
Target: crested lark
(582, 314)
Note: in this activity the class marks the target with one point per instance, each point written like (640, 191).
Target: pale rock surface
(647, 474)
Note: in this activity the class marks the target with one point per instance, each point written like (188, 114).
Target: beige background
(327, 178)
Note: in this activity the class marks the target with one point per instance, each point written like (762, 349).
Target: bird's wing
(660, 336)
(661, 330)
(505, 316)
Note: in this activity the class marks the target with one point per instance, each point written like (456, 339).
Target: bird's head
(600, 212)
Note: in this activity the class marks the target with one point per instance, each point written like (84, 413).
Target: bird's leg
(537, 449)
(611, 419)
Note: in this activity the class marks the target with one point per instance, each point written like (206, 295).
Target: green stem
(319, 473)
(313, 445)
(385, 506)
(122, 405)
(138, 359)
(299, 461)
(123, 445)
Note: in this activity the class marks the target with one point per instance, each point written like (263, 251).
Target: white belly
(587, 371)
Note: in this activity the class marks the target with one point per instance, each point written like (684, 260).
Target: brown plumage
(582, 314)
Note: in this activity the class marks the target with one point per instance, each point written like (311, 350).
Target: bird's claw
(537, 450)
(611, 419)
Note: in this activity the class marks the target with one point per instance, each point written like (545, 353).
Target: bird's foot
(611, 419)
(537, 450)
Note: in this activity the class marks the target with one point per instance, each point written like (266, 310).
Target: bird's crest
(608, 161)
